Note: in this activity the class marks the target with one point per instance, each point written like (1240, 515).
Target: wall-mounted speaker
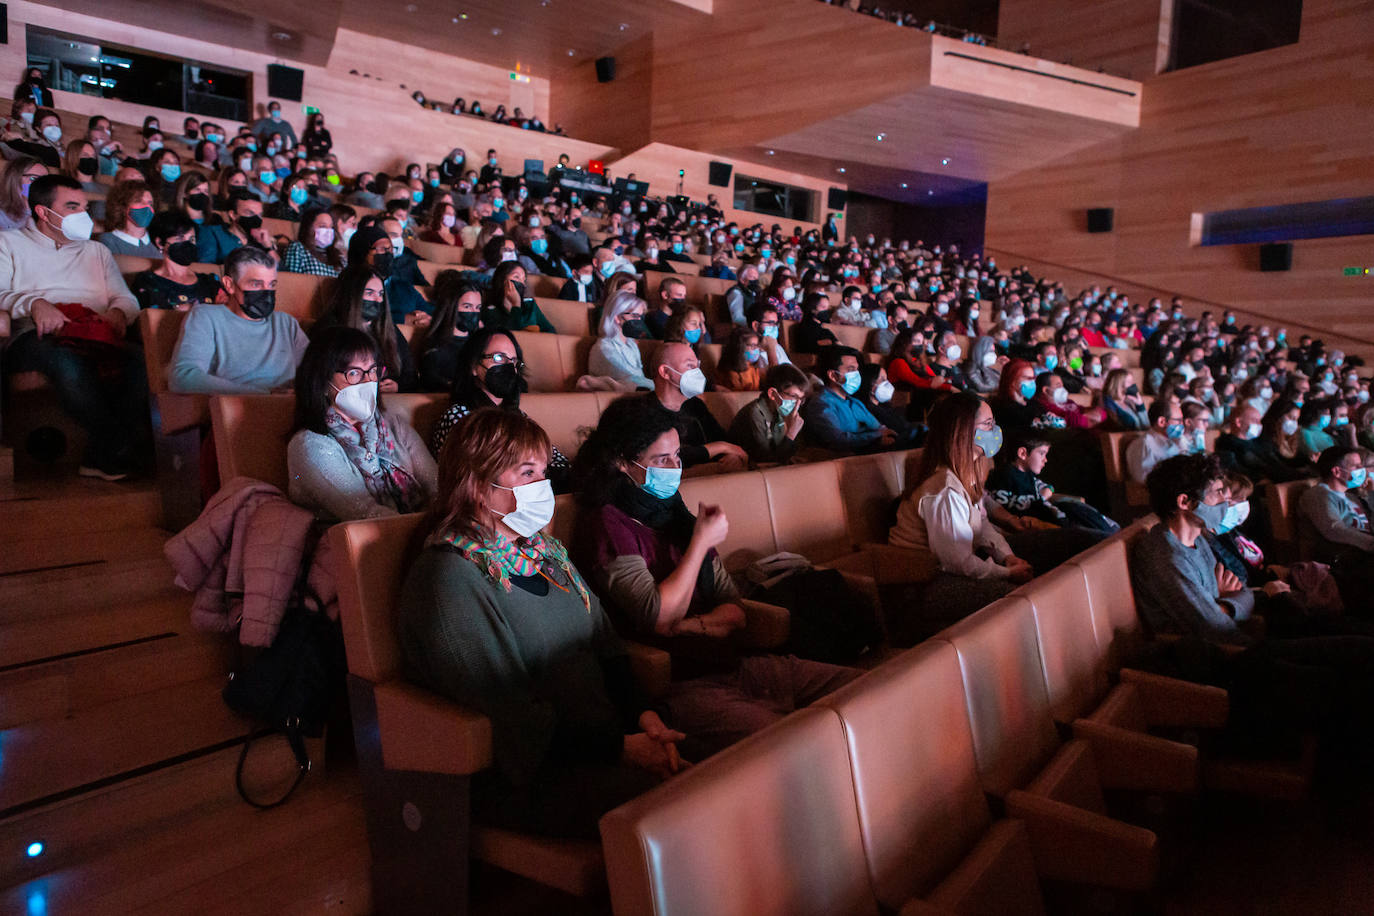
(605, 69)
(836, 199)
(718, 174)
(285, 82)
(1101, 219)
(1276, 256)
(4, 23)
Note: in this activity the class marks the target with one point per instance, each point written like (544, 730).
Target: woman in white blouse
(615, 355)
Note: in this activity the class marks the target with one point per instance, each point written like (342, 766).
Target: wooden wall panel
(1129, 38)
(1287, 125)
(615, 113)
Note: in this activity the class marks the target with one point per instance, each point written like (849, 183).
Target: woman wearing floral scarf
(349, 459)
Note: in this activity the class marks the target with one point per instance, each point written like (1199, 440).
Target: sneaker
(112, 474)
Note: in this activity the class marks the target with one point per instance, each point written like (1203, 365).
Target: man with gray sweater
(244, 346)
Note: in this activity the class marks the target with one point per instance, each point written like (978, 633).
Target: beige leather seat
(571, 318)
(766, 828)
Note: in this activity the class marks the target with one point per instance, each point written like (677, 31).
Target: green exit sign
(310, 109)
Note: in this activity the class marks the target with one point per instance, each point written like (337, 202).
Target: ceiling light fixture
(841, 170)
(495, 31)
(944, 161)
(571, 52)
(930, 194)
(882, 137)
(904, 184)
(624, 26)
(771, 152)
(410, 7)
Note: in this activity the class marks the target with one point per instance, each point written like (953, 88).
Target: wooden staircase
(116, 751)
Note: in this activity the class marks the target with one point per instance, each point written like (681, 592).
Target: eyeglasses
(501, 359)
(354, 375)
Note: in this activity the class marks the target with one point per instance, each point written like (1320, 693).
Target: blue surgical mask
(170, 171)
(660, 482)
(1051, 361)
(417, 196)
(539, 246)
(1341, 421)
(1028, 389)
(267, 177)
(787, 407)
(852, 380)
(283, 171)
(751, 356)
(1173, 430)
(607, 268)
(1356, 478)
(1323, 421)
(989, 440)
(299, 195)
(677, 248)
(692, 335)
(434, 182)
(770, 330)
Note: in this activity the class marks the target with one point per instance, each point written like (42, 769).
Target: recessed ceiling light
(571, 52)
(770, 152)
(944, 161)
(882, 137)
(454, 19)
(281, 36)
(624, 26)
(930, 194)
(841, 170)
(410, 7)
(496, 31)
(904, 184)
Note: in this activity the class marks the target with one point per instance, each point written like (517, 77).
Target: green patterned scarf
(502, 559)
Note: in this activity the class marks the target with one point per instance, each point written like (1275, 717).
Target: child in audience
(742, 363)
(172, 284)
(493, 615)
(767, 427)
(349, 458)
(1014, 483)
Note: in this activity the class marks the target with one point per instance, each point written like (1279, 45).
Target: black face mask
(249, 223)
(374, 187)
(519, 290)
(87, 165)
(192, 133)
(383, 263)
(199, 201)
(238, 192)
(183, 253)
(635, 329)
(503, 381)
(577, 223)
(822, 315)
(259, 303)
(371, 310)
(467, 322)
(1133, 390)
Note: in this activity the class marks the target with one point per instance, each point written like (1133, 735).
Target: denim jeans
(110, 405)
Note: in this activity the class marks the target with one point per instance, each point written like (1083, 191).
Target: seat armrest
(422, 731)
(4, 324)
(917, 907)
(766, 626)
(1126, 759)
(896, 565)
(653, 668)
(1083, 847)
(1170, 702)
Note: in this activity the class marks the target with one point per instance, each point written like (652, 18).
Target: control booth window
(773, 199)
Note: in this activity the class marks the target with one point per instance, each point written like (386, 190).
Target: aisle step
(33, 640)
(45, 759)
(74, 506)
(60, 689)
(50, 592)
(180, 840)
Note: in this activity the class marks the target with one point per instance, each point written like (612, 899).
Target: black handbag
(289, 687)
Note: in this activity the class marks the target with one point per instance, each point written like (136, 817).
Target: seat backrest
(303, 296)
(852, 336)
(708, 356)
(725, 404)
(572, 318)
(370, 560)
(744, 497)
(915, 774)
(1107, 578)
(869, 486)
(160, 329)
(1074, 665)
(574, 353)
(251, 433)
(766, 828)
(564, 518)
(808, 513)
(564, 416)
(1004, 687)
(543, 360)
(1283, 507)
(421, 412)
(437, 252)
(1114, 453)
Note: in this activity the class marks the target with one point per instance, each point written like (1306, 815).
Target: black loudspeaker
(718, 174)
(1276, 256)
(285, 82)
(605, 69)
(4, 23)
(1100, 219)
(836, 199)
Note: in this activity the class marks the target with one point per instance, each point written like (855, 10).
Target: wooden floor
(117, 754)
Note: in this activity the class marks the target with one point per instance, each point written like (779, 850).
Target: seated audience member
(741, 298)
(491, 373)
(678, 384)
(1055, 410)
(407, 305)
(244, 346)
(1338, 521)
(782, 294)
(215, 241)
(128, 211)
(1280, 425)
(507, 305)
(615, 283)
(836, 419)
(192, 198)
(350, 459)
(672, 298)
(765, 321)
(810, 335)
(742, 363)
(767, 427)
(876, 392)
(615, 355)
(80, 162)
(1237, 553)
(60, 289)
(358, 301)
(688, 325)
(313, 250)
(908, 367)
(946, 364)
(663, 582)
(1014, 484)
(442, 227)
(585, 285)
(542, 259)
(457, 314)
(961, 561)
(649, 244)
(1015, 405)
(1242, 446)
(895, 322)
(1121, 401)
(982, 372)
(172, 284)
(1162, 440)
(295, 197)
(1196, 417)
(1314, 434)
(494, 616)
(16, 179)
(719, 268)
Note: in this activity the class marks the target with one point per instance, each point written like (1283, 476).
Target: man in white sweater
(103, 386)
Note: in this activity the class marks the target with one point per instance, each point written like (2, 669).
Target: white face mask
(448, 219)
(348, 235)
(789, 293)
(534, 503)
(990, 359)
(942, 308)
(1061, 395)
(76, 227)
(507, 255)
(1289, 427)
(1253, 430)
(398, 245)
(692, 383)
(357, 401)
(534, 222)
(953, 351)
(973, 315)
(324, 237)
(652, 253)
(52, 133)
(882, 392)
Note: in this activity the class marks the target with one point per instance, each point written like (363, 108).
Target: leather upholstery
(997, 878)
(159, 330)
(571, 318)
(1074, 667)
(869, 486)
(1004, 687)
(766, 828)
(1110, 599)
(565, 417)
(745, 498)
(921, 808)
(808, 513)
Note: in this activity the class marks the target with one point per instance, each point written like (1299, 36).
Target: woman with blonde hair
(15, 179)
(1122, 401)
(615, 355)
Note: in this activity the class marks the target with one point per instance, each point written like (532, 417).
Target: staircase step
(180, 840)
(40, 553)
(74, 506)
(46, 593)
(46, 758)
(47, 637)
(59, 689)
